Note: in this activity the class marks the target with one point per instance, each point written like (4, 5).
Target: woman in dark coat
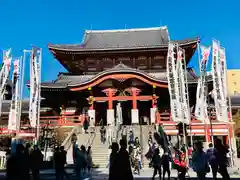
(113, 168)
(123, 163)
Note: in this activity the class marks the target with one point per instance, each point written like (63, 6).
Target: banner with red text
(182, 76)
(218, 93)
(173, 83)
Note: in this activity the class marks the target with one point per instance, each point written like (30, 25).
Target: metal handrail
(68, 140)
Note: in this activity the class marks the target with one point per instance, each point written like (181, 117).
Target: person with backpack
(200, 162)
(212, 160)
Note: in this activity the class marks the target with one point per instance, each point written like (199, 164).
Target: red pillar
(134, 96)
(230, 131)
(110, 93)
(207, 133)
(134, 92)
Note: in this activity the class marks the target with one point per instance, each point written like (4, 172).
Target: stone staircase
(100, 154)
(100, 151)
(82, 139)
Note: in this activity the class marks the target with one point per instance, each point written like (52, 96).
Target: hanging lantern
(154, 98)
(154, 87)
(90, 100)
(89, 88)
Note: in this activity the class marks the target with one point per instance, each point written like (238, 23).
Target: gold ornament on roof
(89, 88)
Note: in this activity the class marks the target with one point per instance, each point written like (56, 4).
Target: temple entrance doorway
(126, 111)
(144, 112)
(101, 112)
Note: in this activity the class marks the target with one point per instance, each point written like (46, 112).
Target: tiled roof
(65, 81)
(122, 39)
(7, 103)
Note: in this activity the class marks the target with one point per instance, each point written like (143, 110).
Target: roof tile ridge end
(165, 27)
(126, 30)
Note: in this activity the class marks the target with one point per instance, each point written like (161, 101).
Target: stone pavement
(102, 174)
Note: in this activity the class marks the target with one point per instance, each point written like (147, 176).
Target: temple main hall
(126, 67)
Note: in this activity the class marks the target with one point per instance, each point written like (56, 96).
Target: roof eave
(58, 48)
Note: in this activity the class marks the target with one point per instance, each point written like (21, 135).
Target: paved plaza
(102, 174)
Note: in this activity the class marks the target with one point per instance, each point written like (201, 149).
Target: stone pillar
(92, 116)
(153, 114)
(110, 117)
(110, 111)
(135, 116)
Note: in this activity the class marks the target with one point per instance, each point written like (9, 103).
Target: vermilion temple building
(121, 66)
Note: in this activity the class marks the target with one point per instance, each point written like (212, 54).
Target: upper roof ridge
(127, 30)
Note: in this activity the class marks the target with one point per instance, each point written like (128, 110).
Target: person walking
(36, 158)
(113, 166)
(103, 134)
(212, 159)
(89, 159)
(62, 163)
(222, 159)
(200, 162)
(166, 158)
(123, 163)
(124, 133)
(156, 163)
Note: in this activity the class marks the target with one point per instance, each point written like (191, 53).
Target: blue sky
(25, 22)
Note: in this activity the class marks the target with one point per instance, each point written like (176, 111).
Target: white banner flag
(33, 89)
(201, 95)
(223, 73)
(220, 104)
(13, 118)
(184, 100)
(173, 83)
(4, 74)
(34, 102)
(223, 77)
